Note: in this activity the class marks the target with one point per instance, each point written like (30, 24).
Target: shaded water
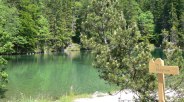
(53, 75)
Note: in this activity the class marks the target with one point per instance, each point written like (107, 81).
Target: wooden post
(161, 86)
(158, 67)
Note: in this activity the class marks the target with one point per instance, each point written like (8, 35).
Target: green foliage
(173, 56)
(8, 24)
(3, 78)
(120, 39)
(120, 56)
(8, 28)
(167, 15)
(101, 21)
(146, 24)
(131, 11)
(66, 98)
(54, 24)
(62, 22)
(34, 27)
(44, 34)
(119, 32)
(73, 47)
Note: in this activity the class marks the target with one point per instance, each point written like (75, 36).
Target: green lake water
(53, 75)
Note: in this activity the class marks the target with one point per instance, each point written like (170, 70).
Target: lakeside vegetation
(66, 98)
(121, 33)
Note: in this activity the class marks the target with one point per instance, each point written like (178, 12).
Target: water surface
(53, 75)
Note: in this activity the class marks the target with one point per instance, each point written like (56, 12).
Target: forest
(115, 30)
(39, 25)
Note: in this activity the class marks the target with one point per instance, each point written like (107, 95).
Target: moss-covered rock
(73, 47)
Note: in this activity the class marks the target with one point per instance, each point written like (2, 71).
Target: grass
(65, 98)
(71, 98)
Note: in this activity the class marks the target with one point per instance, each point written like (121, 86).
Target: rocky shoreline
(126, 96)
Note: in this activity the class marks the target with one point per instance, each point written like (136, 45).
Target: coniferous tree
(80, 11)
(61, 21)
(121, 55)
(34, 26)
(173, 55)
(131, 11)
(181, 33)
(146, 25)
(181, 22)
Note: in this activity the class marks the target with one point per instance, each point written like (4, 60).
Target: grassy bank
(66, 98)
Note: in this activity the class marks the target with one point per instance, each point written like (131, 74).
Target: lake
(53, 75)
(57, 74)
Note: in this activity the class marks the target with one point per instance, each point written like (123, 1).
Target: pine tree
(180, 10)
(42, 24)
(131, 11)
(146, 25)
(121, 55)
(181, 31)
(62, 22)
(173, 55)
(34, 26)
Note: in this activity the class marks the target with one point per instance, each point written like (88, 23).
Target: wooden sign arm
(174, 70)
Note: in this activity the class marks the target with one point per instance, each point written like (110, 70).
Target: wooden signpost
(157, 66)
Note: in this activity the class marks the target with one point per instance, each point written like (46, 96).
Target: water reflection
(53, 75)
